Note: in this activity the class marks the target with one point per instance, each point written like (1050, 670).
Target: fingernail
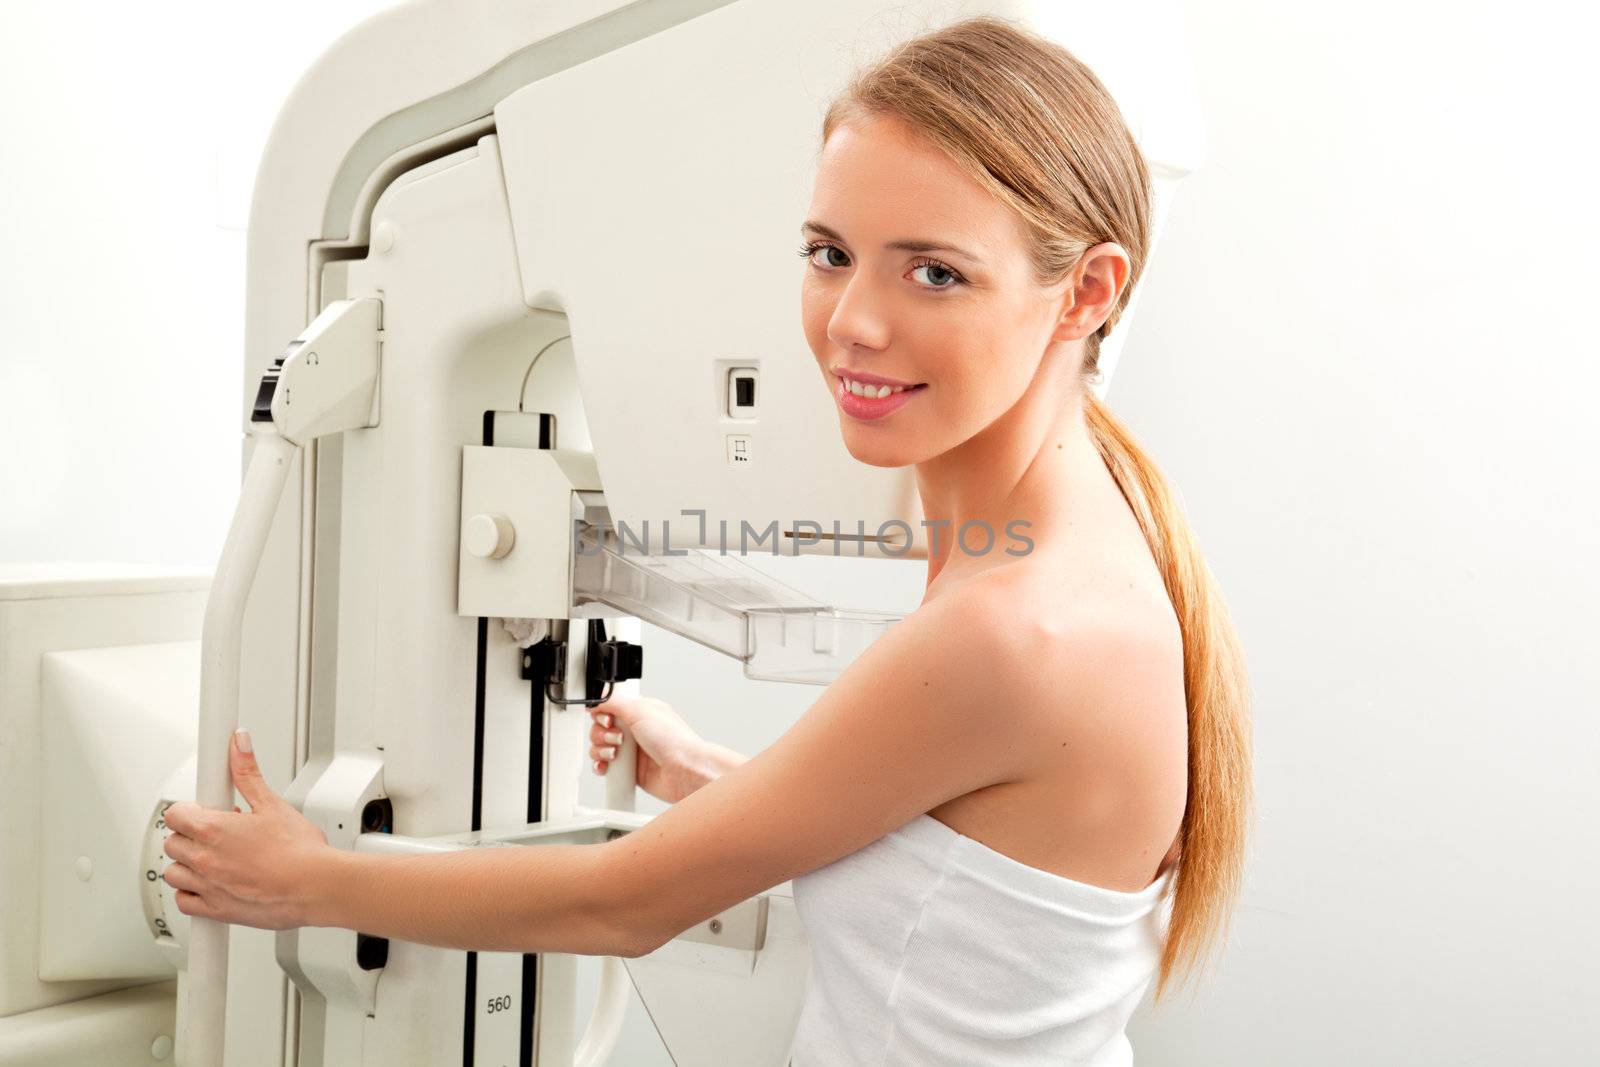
(243, 737)
(614, 738)
(605, 720)
(597, 766)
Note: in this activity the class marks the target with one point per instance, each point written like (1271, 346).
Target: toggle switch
(742, 392)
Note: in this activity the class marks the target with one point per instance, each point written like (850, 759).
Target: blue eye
(935, 265)
(811, 248)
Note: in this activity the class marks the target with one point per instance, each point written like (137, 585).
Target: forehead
(877, 182)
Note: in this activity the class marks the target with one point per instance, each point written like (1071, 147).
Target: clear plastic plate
(779, 633)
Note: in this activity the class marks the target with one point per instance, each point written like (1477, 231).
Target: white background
(1363, 355)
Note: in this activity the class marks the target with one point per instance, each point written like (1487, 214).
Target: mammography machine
(487, 439)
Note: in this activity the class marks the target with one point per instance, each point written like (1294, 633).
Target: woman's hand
(244, 868)
(671, 763)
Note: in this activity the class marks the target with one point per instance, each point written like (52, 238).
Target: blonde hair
(1035, 126)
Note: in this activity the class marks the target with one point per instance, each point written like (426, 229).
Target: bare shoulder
(1092, 700)
(1094, 615)
(1097, 651)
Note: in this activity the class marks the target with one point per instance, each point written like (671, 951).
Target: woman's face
(963, 321)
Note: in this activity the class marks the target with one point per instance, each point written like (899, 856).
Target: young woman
(1026, 798)
(978, 221)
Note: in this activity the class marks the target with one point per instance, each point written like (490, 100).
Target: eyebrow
(904, 245)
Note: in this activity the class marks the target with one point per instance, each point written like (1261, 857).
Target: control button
(742, 392)
(489, 536)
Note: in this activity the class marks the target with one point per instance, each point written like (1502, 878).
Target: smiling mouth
(869, 391)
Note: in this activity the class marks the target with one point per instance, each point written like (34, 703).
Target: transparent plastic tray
(778, 632)
(813, 646)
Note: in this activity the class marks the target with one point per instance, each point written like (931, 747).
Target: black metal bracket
(544, 661)
(609, 662)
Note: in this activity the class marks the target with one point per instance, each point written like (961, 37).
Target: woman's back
(963, 936)
(1107, 808)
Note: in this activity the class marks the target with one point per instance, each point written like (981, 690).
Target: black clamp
(610, 661)
(619, 660)
(544, 661)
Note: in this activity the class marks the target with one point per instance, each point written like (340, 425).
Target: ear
(1096, 284)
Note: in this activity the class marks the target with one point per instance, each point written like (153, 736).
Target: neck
(1026, 475)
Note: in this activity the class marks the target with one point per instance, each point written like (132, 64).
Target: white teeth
(873, 391)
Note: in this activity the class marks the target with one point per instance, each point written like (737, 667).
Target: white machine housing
(571, 225)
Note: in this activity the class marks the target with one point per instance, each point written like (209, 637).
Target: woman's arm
(714, 761)
(906, 727)
(556, 906)
(274, 870)
(911, 724)
(512, 898)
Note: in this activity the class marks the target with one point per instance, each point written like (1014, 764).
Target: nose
(858, 320)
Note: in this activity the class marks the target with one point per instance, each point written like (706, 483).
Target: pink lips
(862, 407)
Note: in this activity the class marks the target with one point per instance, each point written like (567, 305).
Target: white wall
(129, 136)
(1362, 356)
(1367, 358)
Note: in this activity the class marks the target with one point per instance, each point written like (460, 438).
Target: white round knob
(383, 236)
(489, 536)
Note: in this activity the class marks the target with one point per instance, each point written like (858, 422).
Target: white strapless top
(930, 948)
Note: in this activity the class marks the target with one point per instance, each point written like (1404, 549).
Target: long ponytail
(1216, 823)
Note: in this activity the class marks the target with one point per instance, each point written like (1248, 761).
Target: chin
(879, 453)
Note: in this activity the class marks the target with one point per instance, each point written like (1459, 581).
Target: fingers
(603, 747)
(605, 736)
(246, 772)
(181, 849)
(180, 877)
(194, 904)
(189, 819)
(603, 742)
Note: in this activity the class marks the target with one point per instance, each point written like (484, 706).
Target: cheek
(971, 374)
(815, 311)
